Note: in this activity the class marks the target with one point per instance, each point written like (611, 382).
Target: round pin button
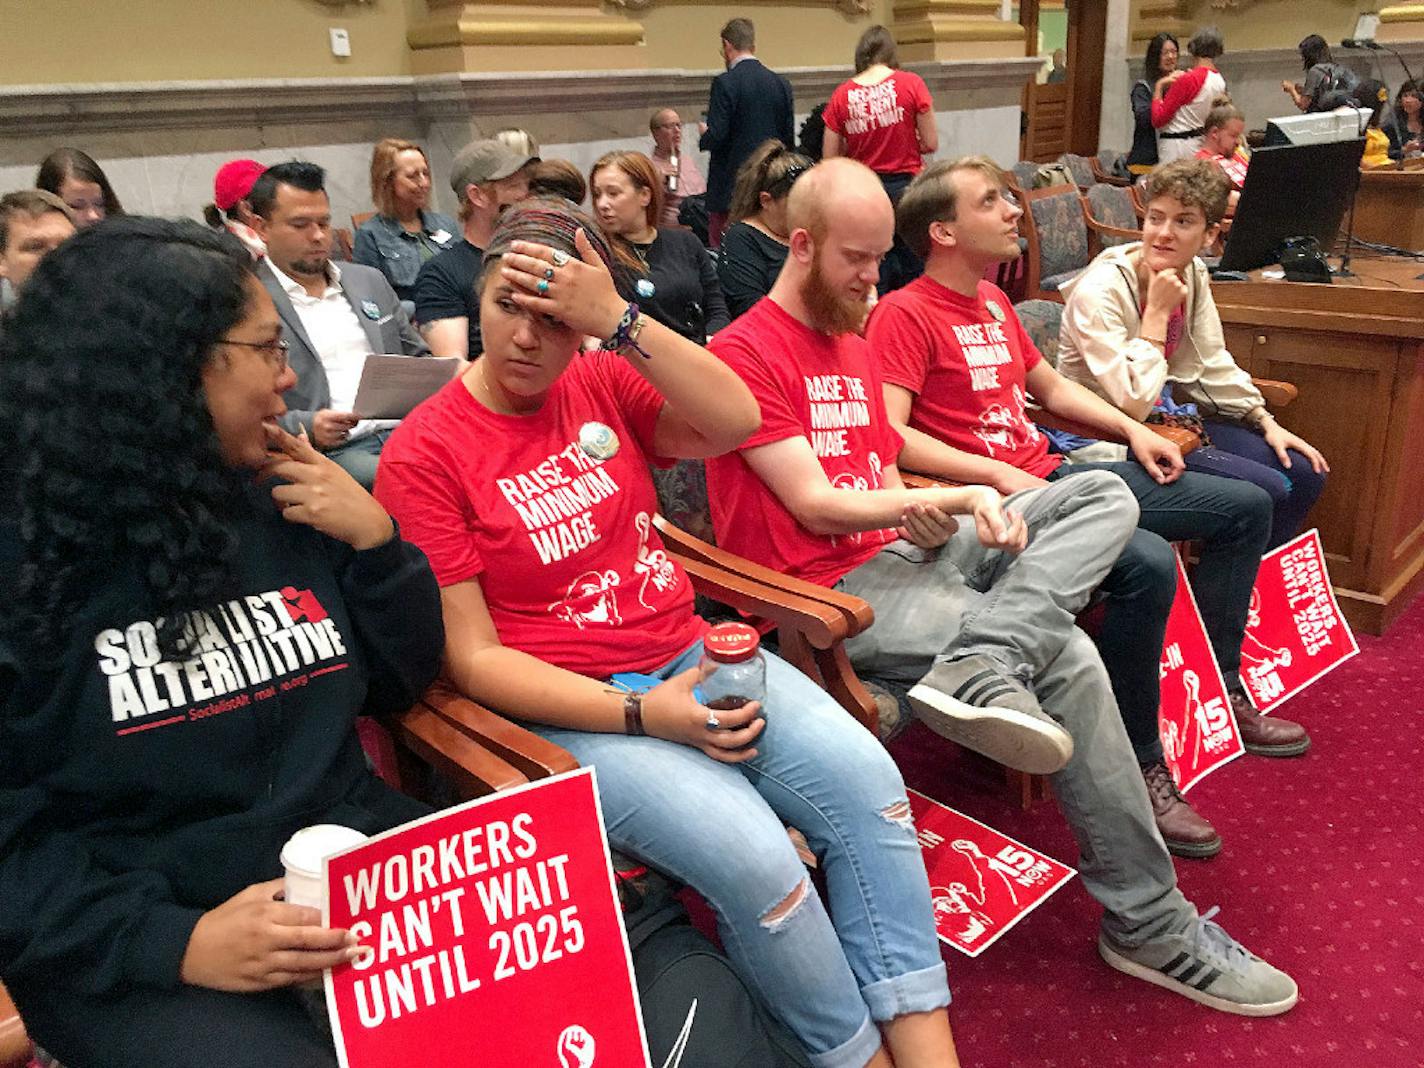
(598, 441)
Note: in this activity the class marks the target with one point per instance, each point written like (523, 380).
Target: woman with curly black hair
(201, 604)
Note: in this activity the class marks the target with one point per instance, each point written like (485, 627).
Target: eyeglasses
(275, 351)
(782, 185)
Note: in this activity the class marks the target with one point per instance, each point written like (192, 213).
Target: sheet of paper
(392, 385)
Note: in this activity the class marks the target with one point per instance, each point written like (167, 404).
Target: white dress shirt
(341, 343)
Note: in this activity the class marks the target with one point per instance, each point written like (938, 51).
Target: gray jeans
(1019, 611)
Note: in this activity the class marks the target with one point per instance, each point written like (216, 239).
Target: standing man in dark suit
(749, 104)
(332, 317)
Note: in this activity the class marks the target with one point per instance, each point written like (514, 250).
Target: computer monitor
(1291, 191)
(1318, 127)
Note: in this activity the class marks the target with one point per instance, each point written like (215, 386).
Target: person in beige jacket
(1142, 317)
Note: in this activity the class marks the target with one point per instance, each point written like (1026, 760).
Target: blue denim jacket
(382, 243)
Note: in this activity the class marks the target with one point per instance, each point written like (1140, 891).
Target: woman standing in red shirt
(884, 117)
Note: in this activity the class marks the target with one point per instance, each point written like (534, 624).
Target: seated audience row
(174, 948)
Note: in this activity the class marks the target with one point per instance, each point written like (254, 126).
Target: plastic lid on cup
(731, 643)
(306, 849)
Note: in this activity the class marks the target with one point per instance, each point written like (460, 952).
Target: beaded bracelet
(626, 335)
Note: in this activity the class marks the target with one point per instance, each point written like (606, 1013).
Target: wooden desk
(1389, 208)
(1356, 350)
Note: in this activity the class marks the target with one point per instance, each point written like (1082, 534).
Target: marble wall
(161, 144)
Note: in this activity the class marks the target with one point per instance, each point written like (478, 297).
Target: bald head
(841, 226)
(852, 187)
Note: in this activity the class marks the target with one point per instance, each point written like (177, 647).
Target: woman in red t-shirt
(526, 483)
(883, 117)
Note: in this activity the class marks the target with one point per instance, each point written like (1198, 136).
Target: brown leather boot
(1186, 833)
(1267, 735)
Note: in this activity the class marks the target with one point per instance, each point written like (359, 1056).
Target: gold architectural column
(489, 35)
(1401, 22)
(954, 29)
(1151, 17)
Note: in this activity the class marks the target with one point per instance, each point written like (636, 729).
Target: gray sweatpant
(1019, 611)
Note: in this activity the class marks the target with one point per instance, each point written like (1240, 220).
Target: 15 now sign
(981, 882)
(493, 938)
(1195, 721)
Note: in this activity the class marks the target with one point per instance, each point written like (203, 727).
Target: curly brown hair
(1195, 182)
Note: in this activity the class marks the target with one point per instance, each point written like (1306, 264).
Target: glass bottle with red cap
(731, 654)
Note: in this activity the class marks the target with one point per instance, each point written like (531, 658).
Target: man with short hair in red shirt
(980, 614)
(959, 369)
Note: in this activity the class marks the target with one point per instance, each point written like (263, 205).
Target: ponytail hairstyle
(1222, 111)
(771, 168)
(876, 45)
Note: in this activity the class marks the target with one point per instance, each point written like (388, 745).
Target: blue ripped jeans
(720, 828)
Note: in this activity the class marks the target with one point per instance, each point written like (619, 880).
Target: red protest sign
(494, 938)
(982, 882)
(1295, 631)
(1198, 730)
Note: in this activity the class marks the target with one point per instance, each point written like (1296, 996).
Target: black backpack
(696, 1010)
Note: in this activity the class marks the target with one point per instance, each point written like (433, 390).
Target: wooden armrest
(1113, 231)
(474, 769)
(1184, 439)
(918, 481)
(1069, 426)
(1104, 228)
(858, 614)
(533, 756)
(821, 624)
(1277, 394)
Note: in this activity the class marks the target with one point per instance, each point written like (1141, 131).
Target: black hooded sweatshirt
(137, 793)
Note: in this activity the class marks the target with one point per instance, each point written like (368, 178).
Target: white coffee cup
(302, 857)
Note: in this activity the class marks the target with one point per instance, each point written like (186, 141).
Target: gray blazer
(389, 332)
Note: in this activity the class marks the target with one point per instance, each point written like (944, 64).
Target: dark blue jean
(1232, 520)
(1241, 453)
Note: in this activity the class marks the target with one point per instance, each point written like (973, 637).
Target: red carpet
(1322, 874)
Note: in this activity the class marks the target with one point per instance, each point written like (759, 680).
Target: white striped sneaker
(1206, 964)
(970, 701)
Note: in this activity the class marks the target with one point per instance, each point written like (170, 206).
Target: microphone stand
(1343, 271)
(1376, 46)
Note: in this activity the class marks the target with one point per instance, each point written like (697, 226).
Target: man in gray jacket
(333, 317)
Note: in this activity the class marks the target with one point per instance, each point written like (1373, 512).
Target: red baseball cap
(234, 181)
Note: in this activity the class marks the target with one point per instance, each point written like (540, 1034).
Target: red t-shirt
(1183, 91)
(813, 386)
(878, 121)
(562, 543)
(966, 361)
(1233, 166)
